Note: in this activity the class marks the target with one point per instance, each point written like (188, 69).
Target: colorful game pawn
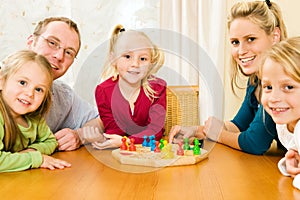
(124, 144)
(196, 147)
(132, 146)
(157, 149)
(152, 142)
(165, 142)
(167, 152)
(145, 143)
(180, 151)
(186, 145)
(161, 145)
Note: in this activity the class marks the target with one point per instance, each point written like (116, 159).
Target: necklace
(131, 96)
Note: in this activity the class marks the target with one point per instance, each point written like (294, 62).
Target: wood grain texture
(226, 174)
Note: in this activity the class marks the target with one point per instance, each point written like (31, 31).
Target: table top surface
(225, 174)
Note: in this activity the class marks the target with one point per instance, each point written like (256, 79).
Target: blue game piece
(152, 141)
(145, 143)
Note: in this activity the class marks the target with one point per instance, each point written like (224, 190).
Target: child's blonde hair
(9, 66)
(157, 58)
(287, 54)
(267, 16)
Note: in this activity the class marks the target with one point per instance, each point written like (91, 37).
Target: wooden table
(225, 174)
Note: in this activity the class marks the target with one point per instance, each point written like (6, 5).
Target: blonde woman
(253, 28)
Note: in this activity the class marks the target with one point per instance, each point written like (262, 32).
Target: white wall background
(95, 18)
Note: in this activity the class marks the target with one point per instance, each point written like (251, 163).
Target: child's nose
(135, 62)
(29, 92)
(275, 95)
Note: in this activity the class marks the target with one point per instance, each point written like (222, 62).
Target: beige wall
(291, 15)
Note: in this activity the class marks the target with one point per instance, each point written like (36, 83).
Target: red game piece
(123, 145)
(132, 147)
(180, 151)
(157, 149)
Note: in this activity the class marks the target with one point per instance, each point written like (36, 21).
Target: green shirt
(36, 136)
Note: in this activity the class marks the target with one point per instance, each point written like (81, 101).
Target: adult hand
(112, 141)
(92, 134)
(52, 163)
(292, 162)
(212, 128)
(67, 139)
(178, 133)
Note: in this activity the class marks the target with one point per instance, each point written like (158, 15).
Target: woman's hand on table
(213, 128)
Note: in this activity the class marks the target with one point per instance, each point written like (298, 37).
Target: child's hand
(292, 162)
(52, 163)
(112, 141)
(178, 133)
(92, 134)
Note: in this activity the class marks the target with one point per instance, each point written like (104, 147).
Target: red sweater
(147, 119)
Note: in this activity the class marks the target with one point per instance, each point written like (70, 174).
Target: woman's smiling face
(248, 43)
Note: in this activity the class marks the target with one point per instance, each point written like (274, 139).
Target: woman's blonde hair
(157, 58)
(287, 54)
(9, 66)
(267, 16)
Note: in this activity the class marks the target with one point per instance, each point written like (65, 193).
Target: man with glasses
(58, 39)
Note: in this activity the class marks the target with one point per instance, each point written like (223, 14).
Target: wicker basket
(182, 107)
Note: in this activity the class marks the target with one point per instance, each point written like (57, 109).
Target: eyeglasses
(52, 44)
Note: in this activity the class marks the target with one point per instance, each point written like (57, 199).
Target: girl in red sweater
(131, 101)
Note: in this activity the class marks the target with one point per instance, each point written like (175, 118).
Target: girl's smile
(280, 94)
(24, 91)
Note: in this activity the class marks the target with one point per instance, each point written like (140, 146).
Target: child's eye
(267, 88)
(22, 82)
(127, 56)
(39, 90)
(288, 87)
(144, 59)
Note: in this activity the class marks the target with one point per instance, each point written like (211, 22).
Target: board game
(143, 156)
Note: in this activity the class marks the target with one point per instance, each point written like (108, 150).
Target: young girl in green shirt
(25, 97)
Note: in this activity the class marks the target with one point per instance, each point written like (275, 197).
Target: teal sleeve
(258, 137)
(257, 128)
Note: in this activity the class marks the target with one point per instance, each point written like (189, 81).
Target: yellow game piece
(126, 141)
(167, 152)
(165, 142)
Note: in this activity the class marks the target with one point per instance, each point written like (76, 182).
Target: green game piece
(186, 145)
(161, 146)
(196, 150)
